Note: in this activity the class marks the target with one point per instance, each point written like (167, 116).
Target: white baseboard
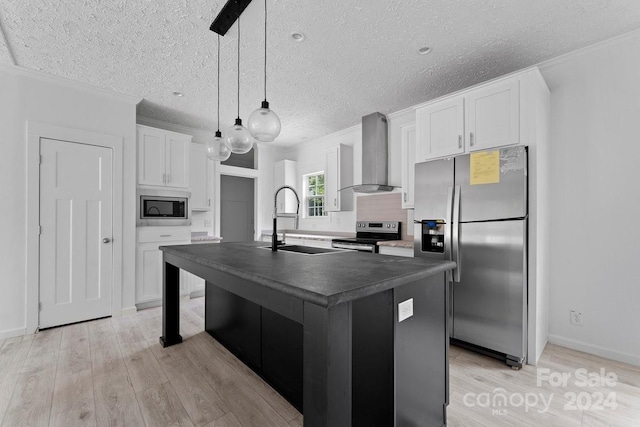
(595, 350)
(10, 333)
(150, 304)
(126, 311)
(197, 294)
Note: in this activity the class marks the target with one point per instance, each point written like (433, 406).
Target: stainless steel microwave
(163, 207)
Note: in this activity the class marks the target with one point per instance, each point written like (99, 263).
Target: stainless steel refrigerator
(472, 209)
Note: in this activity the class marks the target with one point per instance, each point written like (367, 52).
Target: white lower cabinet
(191, 285)
(394, 250)
(149, 260)
(314, 243)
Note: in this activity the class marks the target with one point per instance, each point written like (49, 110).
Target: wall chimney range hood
(374, 155)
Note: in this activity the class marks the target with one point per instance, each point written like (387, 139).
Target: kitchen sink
(306, 250)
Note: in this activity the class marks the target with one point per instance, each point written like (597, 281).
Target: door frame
(242, 173)
(35, 132)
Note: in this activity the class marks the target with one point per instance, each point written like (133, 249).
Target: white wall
(32, 96)
(595, 198)
(310, 157)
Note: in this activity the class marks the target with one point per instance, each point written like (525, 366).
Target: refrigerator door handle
(447, 231)
(455, 235)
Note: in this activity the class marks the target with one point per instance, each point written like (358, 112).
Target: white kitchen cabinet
(163, 158)
(408, 142)
(488, 116)
(492, 116)
(396, 251)
(149, 260)
(284, 173)
(200, 167)
(338, 174)
(440, 128)
(302, 241)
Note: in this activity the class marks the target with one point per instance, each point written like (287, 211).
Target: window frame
(307, 197)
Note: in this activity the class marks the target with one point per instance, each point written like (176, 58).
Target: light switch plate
(405, 309)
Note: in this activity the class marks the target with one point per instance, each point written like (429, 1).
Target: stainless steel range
(368, 233)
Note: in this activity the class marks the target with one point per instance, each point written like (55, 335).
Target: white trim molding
(34, 133)
(50, 78)
(597, 350)
(13, 333)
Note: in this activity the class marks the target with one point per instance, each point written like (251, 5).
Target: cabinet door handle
(165, 235)
(164, 178)
(459, 141)
(471, 143)
(168, 178)
(405, 196)
(209, 202)
(335, 202)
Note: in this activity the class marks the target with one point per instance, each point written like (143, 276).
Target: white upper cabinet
(488, 116)
(284, 173)
(408, 141)
(440, 127)
(492, 116)
(200, 177)
(163, 158)
(338, 173)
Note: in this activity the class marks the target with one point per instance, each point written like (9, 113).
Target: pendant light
(239, 140)
(216, 147)
(263, 123)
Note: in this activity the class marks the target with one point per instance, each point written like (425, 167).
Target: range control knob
(388, 225)
(393, 226)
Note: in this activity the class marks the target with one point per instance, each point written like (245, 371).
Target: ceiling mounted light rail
(263, 124)
(228, 16)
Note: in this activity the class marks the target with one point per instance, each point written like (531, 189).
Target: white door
(151, 157)
(440, 129)
(332, 180)
(177, 162)
(493, 116)
(76, 256)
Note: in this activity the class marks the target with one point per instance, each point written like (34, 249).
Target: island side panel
(235, 323)
(372, 360)
(421, 349)
(170, 305)
(327, 365)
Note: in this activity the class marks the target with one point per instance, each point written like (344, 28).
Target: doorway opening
(237, 208)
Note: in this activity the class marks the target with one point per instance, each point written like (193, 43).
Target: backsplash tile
(382, 207)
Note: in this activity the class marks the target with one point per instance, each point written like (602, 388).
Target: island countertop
(325, 279)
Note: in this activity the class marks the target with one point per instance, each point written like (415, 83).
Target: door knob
(106, 240)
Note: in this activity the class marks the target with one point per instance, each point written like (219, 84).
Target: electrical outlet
(575, 318)
(405, 309)
(207, 223)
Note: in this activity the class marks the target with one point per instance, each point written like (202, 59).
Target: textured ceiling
(358, 56)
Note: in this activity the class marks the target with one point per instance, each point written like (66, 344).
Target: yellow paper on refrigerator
(485, 167)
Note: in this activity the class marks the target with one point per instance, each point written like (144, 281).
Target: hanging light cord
(265, 50)
(218, 83)
(238, 64)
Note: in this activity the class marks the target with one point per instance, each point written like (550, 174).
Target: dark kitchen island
(324, 329)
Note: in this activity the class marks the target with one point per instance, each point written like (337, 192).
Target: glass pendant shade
(217, 149)
(239, 139)
(264, 124)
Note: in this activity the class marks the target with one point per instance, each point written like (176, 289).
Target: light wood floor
(114, 372)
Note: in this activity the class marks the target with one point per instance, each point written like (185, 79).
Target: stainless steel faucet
(295, 216)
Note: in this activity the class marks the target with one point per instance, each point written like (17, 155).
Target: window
(313, 185)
